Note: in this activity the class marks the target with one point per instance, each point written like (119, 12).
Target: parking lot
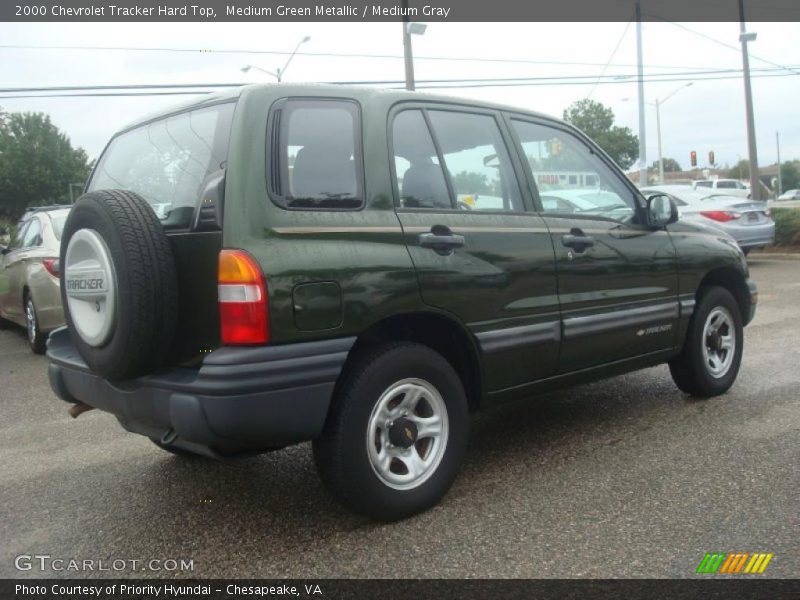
(622, 478)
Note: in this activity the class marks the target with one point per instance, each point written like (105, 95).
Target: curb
(770, 255)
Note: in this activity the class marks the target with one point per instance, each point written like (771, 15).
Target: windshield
(167, 161)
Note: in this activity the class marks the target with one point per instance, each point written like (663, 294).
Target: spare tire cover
(119, 289)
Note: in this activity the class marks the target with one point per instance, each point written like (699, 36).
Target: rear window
(168, 161)
(316, 154)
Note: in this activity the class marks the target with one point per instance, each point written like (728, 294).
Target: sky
(708, 115)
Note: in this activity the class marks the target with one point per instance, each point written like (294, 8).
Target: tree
(469, 182)
(670, 165)
(37, 163)
(741, 170)
(597, 121)
(790, 176)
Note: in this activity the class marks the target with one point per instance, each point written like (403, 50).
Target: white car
(790, 195)
(728, 187)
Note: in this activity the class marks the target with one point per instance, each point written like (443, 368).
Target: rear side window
(464, 164)
(420, 178)
(168, 161)
(33, 234)
(316, 154)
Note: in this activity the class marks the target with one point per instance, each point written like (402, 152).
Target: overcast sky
(709, 115)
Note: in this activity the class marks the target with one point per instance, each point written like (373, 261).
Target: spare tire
(119, 289)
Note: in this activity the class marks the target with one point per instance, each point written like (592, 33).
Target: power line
(444, 85)
(335, 55)
(531, 84)
(725, 44)
(556, 78)
(610, 58)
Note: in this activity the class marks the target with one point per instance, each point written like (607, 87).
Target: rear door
(617, 280)
(478, 254)
(10, 295)
(16, 266)
(176, 163)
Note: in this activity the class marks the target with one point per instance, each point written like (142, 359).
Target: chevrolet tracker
(363, 269)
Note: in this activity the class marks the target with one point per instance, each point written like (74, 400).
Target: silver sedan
(746, 221)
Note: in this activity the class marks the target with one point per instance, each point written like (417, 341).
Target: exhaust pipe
(78, 409)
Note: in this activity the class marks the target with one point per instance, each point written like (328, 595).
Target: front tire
(396, 433)
(712, 353)
(36, 339)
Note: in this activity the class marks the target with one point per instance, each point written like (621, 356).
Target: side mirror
(661, 210)
(3, 250)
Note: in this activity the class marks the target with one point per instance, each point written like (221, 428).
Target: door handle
(442, 240)
(577, 240)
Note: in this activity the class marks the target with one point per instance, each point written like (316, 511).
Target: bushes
(7, 230)
(787, 226)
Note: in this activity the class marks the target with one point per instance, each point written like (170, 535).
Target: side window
(317, 163)
(477, 161)
(33, 234)
(420, 178)
(705, 184)
(570, 178)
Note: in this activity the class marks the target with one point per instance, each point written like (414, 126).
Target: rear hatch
(177, 163)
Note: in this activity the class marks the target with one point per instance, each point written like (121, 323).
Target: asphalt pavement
(623, 478)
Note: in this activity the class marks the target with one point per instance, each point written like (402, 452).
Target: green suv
(364, 269)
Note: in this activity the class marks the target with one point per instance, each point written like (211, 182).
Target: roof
(362, 94)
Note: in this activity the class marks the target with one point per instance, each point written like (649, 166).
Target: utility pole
(640, 71)
(780, 178)
(407, 55)
(744, 38)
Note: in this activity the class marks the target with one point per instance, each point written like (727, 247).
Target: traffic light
(693, 158)
(711, 160)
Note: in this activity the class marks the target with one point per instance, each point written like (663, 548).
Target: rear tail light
(723, 216)
(242, 295)
(53, 266)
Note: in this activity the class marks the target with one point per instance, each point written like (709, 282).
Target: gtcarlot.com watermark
(47, 563)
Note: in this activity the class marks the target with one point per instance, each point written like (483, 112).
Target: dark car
(323, 267)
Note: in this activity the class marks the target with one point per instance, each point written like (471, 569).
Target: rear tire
(379, 453)
(705, 368)
(132, 330)
(36, 339)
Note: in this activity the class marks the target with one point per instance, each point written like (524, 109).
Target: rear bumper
(240, 398)
(753, 236)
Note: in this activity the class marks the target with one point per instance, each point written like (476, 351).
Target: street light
(409, 29)
(281, 71)
(658, 129)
